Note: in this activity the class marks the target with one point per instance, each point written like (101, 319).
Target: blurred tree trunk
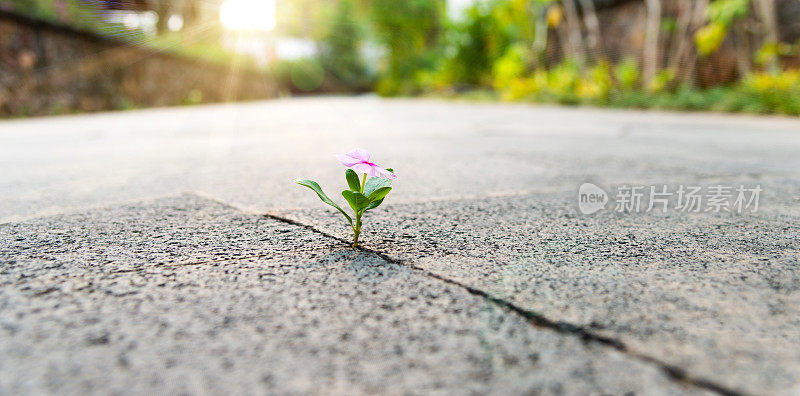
(683, 40)
(593, 28)
(539, 46)
(651, 40)
(190, 14)
(574, 34)
(766, 11)
(163, 9)
(683, 59)
(742, 48)
(680, 42)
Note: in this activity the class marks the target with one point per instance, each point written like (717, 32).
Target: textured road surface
(186, 295)
(135, 254)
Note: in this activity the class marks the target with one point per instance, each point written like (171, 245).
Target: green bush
(627, 74)
(303, 75)
(565, 83)
(410, 31)
(509, 67)
(474, 46)
(340, 49)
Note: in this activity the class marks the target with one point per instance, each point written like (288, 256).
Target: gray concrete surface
(244, 154)
(185, 295)
(483, 212)
(715, 294)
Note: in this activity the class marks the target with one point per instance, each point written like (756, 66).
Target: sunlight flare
(248, 14)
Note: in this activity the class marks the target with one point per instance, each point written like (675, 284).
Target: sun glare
(248, 14)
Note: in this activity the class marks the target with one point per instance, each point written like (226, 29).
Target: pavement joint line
(537, 319)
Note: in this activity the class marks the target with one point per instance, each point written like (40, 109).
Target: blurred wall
(50, 69)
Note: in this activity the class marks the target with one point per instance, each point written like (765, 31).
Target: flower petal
(383, 173)
(347, 160)
(360, 153)
(362, 167)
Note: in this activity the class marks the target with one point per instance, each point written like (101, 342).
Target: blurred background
(68, 56)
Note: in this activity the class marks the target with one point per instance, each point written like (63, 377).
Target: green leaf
(317, 189)
(356, 200)
(379, 194)
(374, 204)
(352, 180)
(374, 184)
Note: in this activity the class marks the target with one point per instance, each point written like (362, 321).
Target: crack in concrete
(539, 320)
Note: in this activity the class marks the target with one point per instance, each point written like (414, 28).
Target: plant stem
(357, 228)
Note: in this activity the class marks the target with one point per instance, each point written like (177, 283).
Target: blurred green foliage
(760, 92)
(77, 13)
(299, 75)
(410, 32)
(340, 49)
(727, 11)
(493, 49)
(721, 15)
(498, 50)
(306, 74)
(41, 9)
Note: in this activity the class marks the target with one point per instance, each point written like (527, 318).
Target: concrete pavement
(185, 295)
(714, 294)
(244, 154)
(477, 261)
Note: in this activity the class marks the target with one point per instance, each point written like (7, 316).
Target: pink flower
(358, 160)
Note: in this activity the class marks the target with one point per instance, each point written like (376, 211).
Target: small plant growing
(362, 195)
